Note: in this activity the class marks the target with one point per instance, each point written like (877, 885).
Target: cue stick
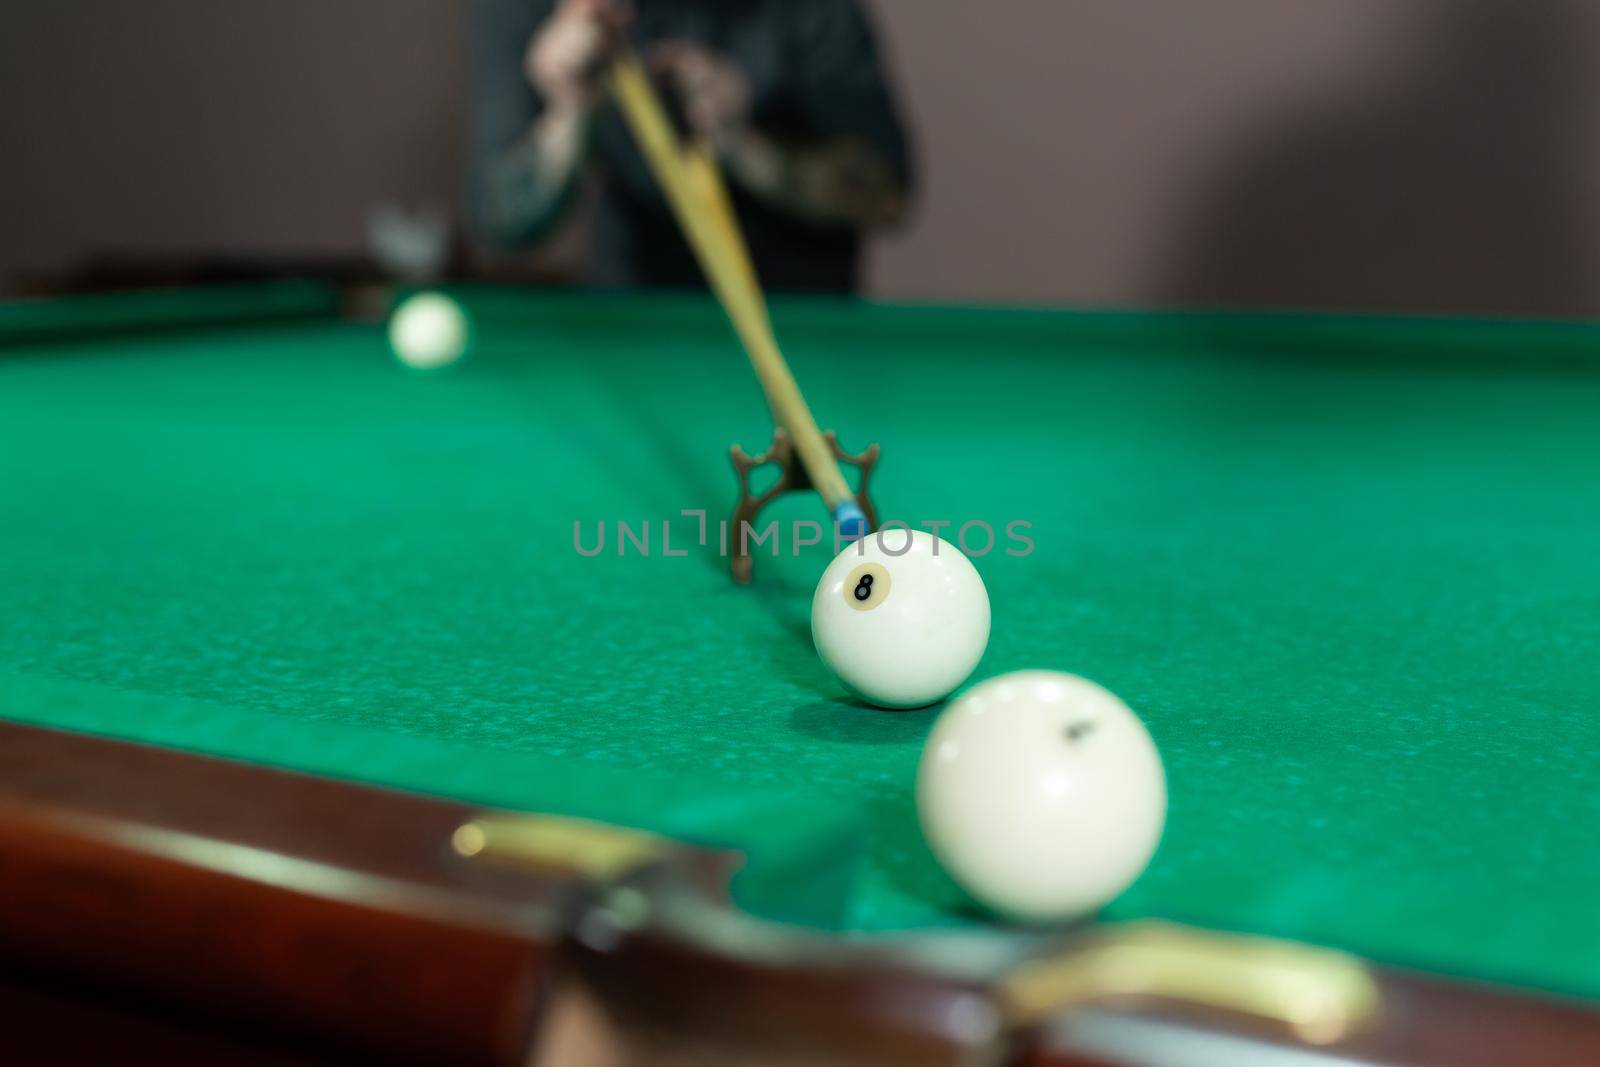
(700, 161)
(698, 198)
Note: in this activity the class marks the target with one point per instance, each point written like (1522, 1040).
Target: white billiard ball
(428, 330)
(901, 617)
(1041, 794)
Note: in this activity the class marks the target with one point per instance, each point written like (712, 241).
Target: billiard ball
(1041, 794)
(901, 617)
(428, 330)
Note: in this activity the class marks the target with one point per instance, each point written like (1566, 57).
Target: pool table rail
(365, 923)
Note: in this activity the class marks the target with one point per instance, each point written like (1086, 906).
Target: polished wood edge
(280, 901)
(50, 1019)
(343, 914)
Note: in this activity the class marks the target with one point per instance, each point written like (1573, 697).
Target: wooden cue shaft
(706, 179)
(714, 235)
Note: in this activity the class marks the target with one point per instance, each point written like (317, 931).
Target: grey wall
(1364, 153)
(176, 126)
(1433, 154)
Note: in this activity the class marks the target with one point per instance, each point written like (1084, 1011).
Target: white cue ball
(428, 330)
(902, 624)
(1041, 794)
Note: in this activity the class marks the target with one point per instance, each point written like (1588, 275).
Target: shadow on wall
(1462, 185)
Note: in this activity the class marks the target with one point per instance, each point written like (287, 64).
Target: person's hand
(568, 53)
(714, 91)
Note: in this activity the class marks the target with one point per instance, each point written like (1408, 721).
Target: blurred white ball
(428, 330)
(1041, 794)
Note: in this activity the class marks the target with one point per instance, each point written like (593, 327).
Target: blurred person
(791, 95)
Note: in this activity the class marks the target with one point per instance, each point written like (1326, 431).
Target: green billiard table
(1346, 569)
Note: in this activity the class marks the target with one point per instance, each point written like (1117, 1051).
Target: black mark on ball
(1077, 731)
(864, 587)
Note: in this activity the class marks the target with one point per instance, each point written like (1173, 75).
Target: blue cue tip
(850, 520)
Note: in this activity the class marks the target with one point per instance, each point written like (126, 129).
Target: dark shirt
(814, 74)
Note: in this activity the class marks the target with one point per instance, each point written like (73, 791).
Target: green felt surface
(1346, 570)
